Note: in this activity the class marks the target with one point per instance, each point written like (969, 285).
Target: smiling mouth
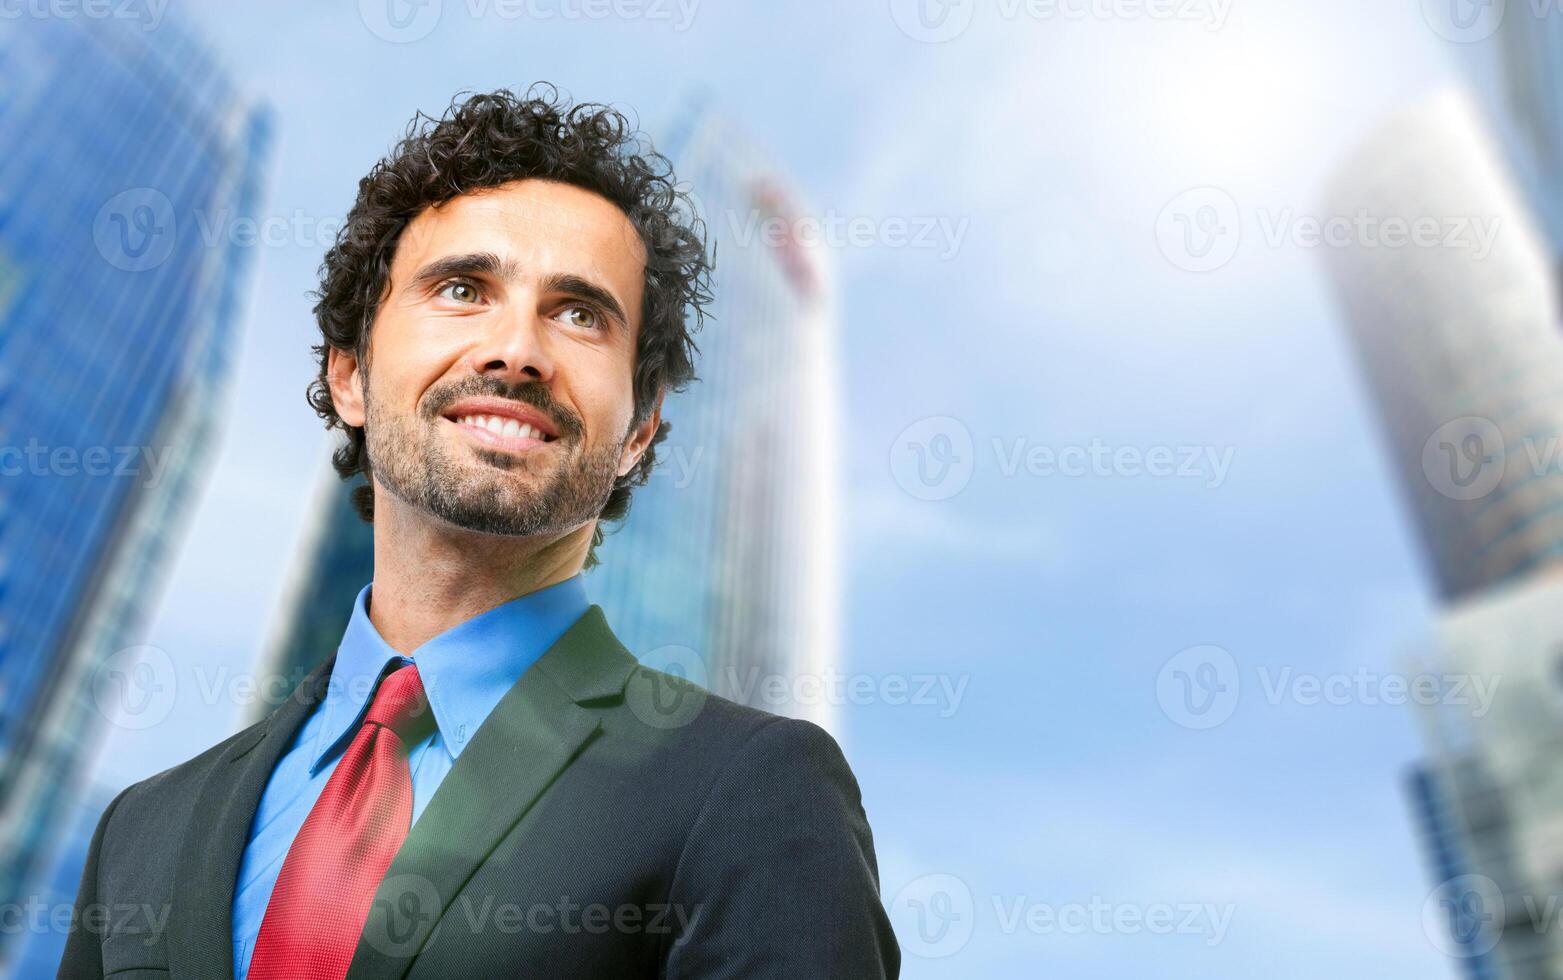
(502, 433)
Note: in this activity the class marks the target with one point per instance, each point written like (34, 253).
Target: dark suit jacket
(606, 821)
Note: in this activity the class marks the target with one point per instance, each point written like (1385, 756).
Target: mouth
(502, 425)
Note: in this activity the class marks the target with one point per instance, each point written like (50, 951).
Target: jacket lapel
(200, 926)
(533, 734)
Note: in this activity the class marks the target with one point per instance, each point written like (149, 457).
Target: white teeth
(501, 426)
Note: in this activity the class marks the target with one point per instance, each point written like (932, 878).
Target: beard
(545, 492)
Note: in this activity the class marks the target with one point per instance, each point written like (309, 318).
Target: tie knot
(400, 705)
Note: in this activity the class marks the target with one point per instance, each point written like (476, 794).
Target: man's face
(499, 379)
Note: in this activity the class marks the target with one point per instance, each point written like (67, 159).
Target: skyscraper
(1517, 75)
(1489, 797)
(335, 561)
(129, 158)
(1459, 340)
(724, 570)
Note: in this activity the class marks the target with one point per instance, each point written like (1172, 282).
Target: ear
(347, 390)
(635, 446)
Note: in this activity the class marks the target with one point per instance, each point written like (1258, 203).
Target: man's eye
(581, 316)
(461, 291)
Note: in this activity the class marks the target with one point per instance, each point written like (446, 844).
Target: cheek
(599, 387)
(406, 367)
(614, 407)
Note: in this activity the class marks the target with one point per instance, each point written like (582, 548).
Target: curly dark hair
(490, 139)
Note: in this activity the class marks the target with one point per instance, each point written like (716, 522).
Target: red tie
(328, 880)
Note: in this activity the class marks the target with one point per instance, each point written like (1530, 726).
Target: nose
(515, 349)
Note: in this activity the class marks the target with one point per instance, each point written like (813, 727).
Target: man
(482, 781)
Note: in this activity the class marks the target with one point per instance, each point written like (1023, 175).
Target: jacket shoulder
(179, 784)
(708, 732)
(690, 713)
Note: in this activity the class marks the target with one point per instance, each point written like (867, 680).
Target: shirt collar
(466, 670)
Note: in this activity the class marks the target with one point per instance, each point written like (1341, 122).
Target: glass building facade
(129, 157)
(1459, 343)
(1463, 353)
(724, 570)
(1441, 814)
(335, 563)
(1489, 798)
(1518, 77)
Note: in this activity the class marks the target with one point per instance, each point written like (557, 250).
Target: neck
(430, 576)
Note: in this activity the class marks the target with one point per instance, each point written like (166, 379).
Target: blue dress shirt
(465, 672)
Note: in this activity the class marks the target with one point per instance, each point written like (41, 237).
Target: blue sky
(1059, 778)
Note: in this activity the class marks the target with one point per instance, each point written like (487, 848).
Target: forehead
(544, 226)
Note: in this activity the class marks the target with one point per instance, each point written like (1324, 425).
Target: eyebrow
(573, 285)
(492, 266)
(471, 264)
